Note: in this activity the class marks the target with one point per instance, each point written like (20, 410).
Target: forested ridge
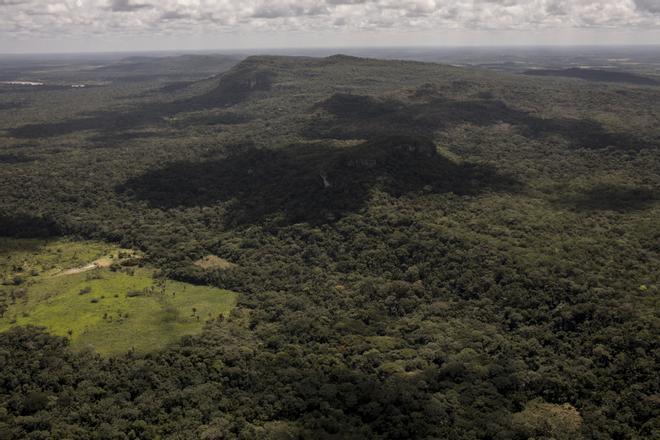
(421, 251)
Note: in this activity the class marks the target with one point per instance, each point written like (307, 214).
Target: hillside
(422, 251)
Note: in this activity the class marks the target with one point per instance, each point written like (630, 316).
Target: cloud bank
(41, 19)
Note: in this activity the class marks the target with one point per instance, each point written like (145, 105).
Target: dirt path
(102, 262)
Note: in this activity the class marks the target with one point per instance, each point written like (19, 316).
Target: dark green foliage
(13, 105)
(33, 402)
(237, 85)
(174, 86)
(597, 75)
(18, 280)
(14, 158)
(239, 82)
(310, 182)
(28, 226)
(223, 118)
(614, 198)
(486, 248)
(104, 121)
(364, 117)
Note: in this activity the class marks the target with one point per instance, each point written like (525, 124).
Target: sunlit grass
(110, 311)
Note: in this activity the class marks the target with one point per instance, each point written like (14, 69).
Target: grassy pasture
(111, 311)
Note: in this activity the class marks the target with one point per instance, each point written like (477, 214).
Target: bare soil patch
(214, 262)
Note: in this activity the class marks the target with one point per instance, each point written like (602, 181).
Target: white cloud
(79, 18)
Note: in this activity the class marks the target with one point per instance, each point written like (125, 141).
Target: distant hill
(597, 75)
(345, 98)
(204, 65)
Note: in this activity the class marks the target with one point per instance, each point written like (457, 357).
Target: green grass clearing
(110, 311)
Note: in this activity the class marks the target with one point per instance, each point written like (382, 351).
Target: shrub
(33, 402)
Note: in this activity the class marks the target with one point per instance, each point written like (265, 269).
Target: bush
(33, 402)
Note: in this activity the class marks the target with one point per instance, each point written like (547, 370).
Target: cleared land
(110, 308)
(214, 262)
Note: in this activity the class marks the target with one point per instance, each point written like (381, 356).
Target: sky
(140, 25)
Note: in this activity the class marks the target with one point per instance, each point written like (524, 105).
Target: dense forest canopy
(420, 250)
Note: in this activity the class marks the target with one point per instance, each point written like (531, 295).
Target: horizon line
(349, 48)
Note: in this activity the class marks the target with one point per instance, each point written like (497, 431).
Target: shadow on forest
(352, 116)
(362, 117)
(610, 197)
(12, 105)
(234, 87)
(22, 225)
(596, 75)
(125, 136)
(170, 87)
(11, 158)
(311, 183)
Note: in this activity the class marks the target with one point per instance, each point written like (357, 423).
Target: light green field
(110, 311)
